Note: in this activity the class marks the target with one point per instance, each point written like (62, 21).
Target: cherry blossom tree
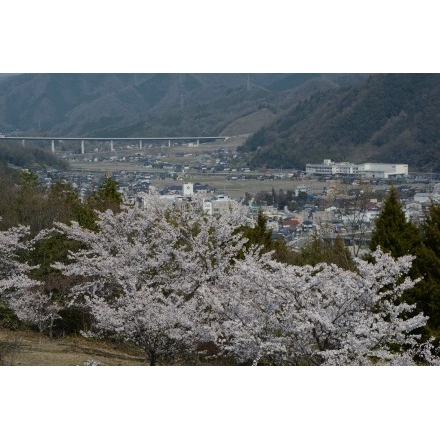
(317, 315)
(13, 273)
(143, 268)
(14, 279)
(22, 293)
(36, 307)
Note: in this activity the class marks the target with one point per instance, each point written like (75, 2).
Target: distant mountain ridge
(133, 104)
(383, 118)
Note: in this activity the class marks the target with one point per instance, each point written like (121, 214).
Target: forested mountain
(136, 104)
(152, 104)
(383, 118)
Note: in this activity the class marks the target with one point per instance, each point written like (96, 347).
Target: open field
(238, 188)
(233, 188)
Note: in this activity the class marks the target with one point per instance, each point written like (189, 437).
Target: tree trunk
(51, 327)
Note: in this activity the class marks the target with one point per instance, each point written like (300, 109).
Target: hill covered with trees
(153, 104)
(28, 157)
(383, 118)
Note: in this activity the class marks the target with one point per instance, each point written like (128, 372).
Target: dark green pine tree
(426, 293)
(392, 232)
(260, 234)
(320, 251)
(107, 196)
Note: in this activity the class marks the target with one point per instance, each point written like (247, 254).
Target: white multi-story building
(375, 170)
(331, 168)
(218, 205)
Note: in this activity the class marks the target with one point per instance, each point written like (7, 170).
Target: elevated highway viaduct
(112, 140)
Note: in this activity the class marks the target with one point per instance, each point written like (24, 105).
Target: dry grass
(32, 349)
(27, 348)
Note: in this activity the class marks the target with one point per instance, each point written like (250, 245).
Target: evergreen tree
(107, 196)
(28, 180)
(393, 233)
(426, 294)
(66, 206)
(261, 235)
(320, 251)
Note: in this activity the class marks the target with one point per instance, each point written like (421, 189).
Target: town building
(383, 170)
(370, 170)
(218, 205)
(188, 189)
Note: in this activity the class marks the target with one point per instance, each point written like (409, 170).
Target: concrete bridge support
(22, 142)
(82, 147)
(197, 142)
(140, 144)
(53, 145)
(112, 148)
(169, 143)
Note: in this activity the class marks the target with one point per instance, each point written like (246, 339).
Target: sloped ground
(31, 349)
(249, 123)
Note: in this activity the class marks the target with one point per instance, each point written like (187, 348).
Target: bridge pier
(169, 142)
(197, 142)
(22, 142)
(82, 147)
(111, 146)
(140, 144)
(53, 145)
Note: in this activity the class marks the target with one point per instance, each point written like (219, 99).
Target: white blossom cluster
(24, 294)
(13, 274)
(169, 278)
